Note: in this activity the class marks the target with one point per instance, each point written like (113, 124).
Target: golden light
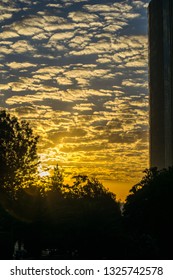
(42, 173)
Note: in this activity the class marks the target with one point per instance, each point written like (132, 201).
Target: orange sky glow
(77, 72)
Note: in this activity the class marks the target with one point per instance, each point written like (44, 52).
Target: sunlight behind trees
(78, 220)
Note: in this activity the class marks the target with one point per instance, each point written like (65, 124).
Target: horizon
(78, 73)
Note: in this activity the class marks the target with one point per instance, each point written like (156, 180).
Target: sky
(77, 71)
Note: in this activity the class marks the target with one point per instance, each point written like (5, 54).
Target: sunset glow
(43, 173)
(77, 72)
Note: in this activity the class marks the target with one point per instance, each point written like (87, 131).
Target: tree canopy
(18, 153)
(69, 217)
(83, 217)
(149, 211)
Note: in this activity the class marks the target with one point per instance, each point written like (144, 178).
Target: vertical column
(171, 60)
(167, 81)
(156, 84)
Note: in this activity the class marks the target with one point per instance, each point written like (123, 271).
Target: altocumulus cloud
(77, 70)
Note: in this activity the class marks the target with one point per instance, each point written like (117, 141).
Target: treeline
(46, 218)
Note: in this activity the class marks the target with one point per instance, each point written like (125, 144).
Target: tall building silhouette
(161, 82)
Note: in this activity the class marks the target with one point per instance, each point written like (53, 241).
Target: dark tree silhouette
(149, 213)
(18, 153)
(83, 218)
(18, 167)
(57, 180)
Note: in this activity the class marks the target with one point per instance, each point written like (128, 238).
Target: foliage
(149, 209)
(84, 215)
(82, 220)
(85, 187)
(18, 153)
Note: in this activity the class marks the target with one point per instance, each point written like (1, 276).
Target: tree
(149, 213)
(57, 180)
(18, 153)
(84, 217)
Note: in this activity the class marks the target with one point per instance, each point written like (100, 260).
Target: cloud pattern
(77, 71)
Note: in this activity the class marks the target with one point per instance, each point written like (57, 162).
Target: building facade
(161, 82)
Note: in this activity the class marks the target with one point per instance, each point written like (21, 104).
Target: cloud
(5, 50)
(114, 27)
(22, 46)
(40, 36)
(8, 35)
(84, 107)
(82, 74)
(93, 48)
(52, 70)
(39, 27)
(54, 5)
(64, 81)
(107, 8)
(121, 11)
(6, 11)
(53, 19)
(61, 36)
(77, 1)
(77, 71)
(140, 4)
(80, 41)
(29, 98)
(86, 73)
(5, 16)
(17, 86)
(4, 86)
(18, 65)
(61, 26)
(83, 17)
(133, 83)
(28, 2)
(26, 31)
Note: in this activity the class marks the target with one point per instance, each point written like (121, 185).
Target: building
(161, 82)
